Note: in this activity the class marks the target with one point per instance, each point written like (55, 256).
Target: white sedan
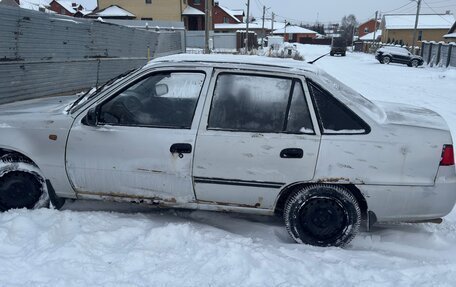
(233, 133)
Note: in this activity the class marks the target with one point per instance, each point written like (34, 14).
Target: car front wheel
(322, 215)
(386, 60)
(21, 185)
(414, 63)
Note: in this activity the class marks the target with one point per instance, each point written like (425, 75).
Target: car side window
(334, 117)
(299, 120)
(165, 99)
(253, 103)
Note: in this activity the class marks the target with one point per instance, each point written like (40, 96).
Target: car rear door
(257, 135)
(141, 148)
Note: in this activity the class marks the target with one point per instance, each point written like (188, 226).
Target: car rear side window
(334, 117)
(252, 103)
(299, 120)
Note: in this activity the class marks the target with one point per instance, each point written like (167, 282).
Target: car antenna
(311, 62)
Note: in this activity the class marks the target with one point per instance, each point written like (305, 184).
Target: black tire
(414, 63)
(322, 215)
(343, 54)
(386, 60)
(331, 53)
(21, 185)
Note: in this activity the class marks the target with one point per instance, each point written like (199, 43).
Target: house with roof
(112, 12)
(295, 34)
(451, 36)
(167, 10)
(224, 15)
(400, 27)
(368, 27)
(68, 8)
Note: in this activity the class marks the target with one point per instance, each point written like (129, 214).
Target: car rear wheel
(386, 60)
(21, 185)
(414, 63)
(322, 215)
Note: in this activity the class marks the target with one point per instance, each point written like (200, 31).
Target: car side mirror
(161, 90)
(91, 119)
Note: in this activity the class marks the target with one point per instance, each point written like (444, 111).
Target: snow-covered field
(144, 247)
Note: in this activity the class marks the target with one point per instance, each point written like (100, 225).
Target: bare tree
(347, 27)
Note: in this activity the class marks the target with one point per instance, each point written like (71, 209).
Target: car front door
(141, 147)
(257, 135)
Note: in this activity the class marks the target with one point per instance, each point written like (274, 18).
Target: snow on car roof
(238, 59)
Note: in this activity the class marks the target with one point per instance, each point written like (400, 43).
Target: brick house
(223, 15)
(368, 27)
(65, 7)
(295, 34)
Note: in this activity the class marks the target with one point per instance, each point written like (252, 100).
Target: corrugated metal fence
(220, 41)
(43, 54)
(439, 54)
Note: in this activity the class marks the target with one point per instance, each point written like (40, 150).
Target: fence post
(422, 49)
(450, 47)
(439, 52)
(430, 53)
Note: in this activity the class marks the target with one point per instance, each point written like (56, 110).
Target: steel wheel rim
(323, 218)
(19, 190)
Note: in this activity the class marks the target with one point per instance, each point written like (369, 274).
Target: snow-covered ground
(144, 247)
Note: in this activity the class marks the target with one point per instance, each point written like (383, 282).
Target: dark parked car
(338, 46)
(386, 55)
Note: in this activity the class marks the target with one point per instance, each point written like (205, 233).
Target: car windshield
(349, 96)
(94, 91)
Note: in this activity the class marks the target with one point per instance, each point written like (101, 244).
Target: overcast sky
(333, 10)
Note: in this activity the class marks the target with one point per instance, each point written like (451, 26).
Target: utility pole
(375, 26)
(262, 27)
(247, 27)
(207, 22)
(416, 26)
(272, 23)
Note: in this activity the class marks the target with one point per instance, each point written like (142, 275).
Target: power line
(385, 12)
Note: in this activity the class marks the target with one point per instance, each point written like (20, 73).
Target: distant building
(451, 36)
(221, 14)
(399, 27)
(65, 7)
(112, 12)
(368, 27)
(170, 10)
(295, 34)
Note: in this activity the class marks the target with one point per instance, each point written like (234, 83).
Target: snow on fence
(439, 54)
(43, 54)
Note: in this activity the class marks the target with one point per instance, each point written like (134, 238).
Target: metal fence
(43, 54)
(439, 54)
(220, 41)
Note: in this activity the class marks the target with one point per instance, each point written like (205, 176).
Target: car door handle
(181, 148)
(292, 153)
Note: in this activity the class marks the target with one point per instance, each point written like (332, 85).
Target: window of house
(148, 1)
(164, 100)
(366, 30)
(249, 103)
(420, 35)
(196, 2)
(226, 20)
(334, 117)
